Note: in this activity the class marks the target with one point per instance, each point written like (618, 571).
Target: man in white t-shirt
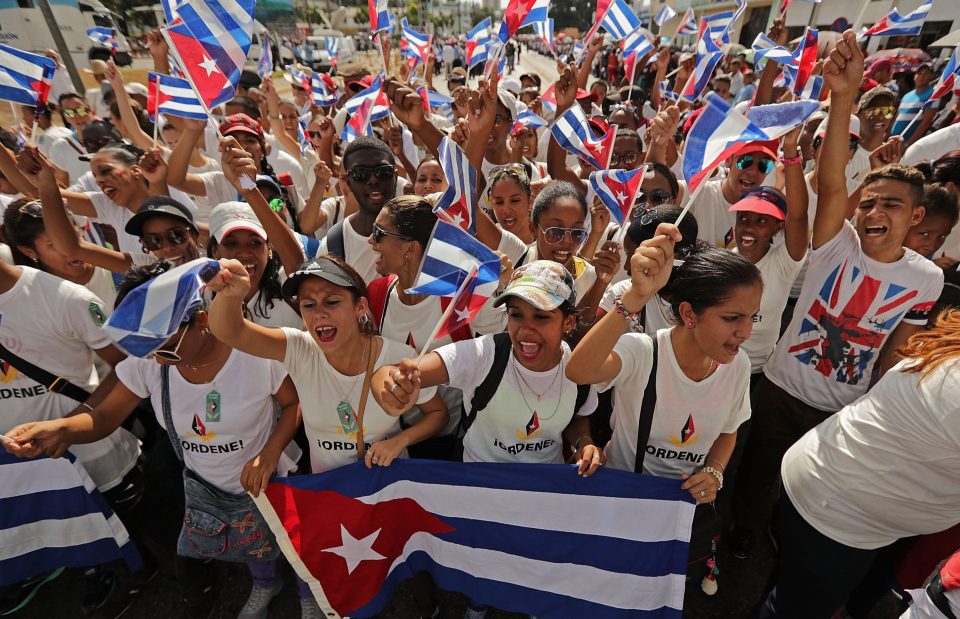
(863, 297)
(372, 177)
(747, 168)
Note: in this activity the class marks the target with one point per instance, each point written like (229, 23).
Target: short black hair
(250, 107)
(366, 143)
(940, 201)
(555, 190)
(905, 174)
(707, 277)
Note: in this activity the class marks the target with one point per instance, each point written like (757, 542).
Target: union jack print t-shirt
(847, 308)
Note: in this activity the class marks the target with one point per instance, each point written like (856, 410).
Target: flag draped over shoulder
(534, 539)
(51, 515)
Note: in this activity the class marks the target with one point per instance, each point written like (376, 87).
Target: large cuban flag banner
(527, 538)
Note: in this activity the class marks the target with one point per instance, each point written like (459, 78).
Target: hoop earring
(364, 320)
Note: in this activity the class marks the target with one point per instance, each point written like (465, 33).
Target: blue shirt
(910, 106)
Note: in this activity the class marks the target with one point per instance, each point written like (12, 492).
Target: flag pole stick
(693, 197)
(446, 313)
(913, 121)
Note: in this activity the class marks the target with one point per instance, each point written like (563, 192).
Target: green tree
(480, 13)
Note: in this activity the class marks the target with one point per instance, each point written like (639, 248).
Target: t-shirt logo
(96, 313)
(843, 341)
(687, 436)
(530, 430)
(201, 430)
(213, 407)
(8, 373)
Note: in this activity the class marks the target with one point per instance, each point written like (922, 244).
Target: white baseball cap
(230, 216)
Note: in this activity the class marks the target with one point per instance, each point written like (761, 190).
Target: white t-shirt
(933, 145)
(358, 252)
(857, 168)
(221, 425)
(689, 415)
(334, 215)
(657, 313)
(331, 429)
(885, 467)
(515, 426)
(778, 270)
(848, 306)
(109, 212)
(55, 325)
(102, 285)
(64, 152)
(714, 219)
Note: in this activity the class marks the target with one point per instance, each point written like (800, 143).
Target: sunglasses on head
(172, 356)
(362, 174)
(31, 209)
(378, 234)
(77, 111)
(746, 162)
(885, 112)
(152, 241)
(554, 235)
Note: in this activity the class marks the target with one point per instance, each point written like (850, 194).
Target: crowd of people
(790, 342)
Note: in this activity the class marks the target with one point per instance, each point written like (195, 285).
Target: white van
(22, 26)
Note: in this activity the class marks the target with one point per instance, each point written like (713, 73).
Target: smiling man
(372, 177)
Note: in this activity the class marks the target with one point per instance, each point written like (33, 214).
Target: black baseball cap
(322, 267)
(158, 205)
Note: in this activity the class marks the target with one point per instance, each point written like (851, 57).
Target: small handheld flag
(265, 65)
(688, 24)
(359, 123)
(617, 189)
(173, 96)
(893, 24)
(665, 14)
(573, 133)
(458, 203)
(709, 55)
(104, 36)
(379, 17)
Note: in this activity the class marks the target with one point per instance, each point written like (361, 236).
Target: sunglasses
(746, 162)
(77, 111)
(885, 112)
(31, 209)
(379, 233)
(361, 174)
(627, 159)
(172, 355)
(657, 197)
(152, 241)
(555, 235)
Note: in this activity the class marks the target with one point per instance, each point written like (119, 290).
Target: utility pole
(61, 44)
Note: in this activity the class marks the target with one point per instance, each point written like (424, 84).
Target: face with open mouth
(754, 233)
(59, 264)
(392, 248)
(884, 216)
(116, 180)
(331, 313)
(511, 205)
(721, 329)
(250, 249)
(179, 243)
(567, 214)
(746, 171)
(536, 334)
(370, 179)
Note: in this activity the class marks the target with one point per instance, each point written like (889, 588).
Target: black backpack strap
(168, 412)
(583, 392)
(646, 411)
(485, 390)
(54, 383)
(335, 241)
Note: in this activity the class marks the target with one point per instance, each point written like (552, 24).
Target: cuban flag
(514, 16)
(637, 43)
(765, 48)
(458, 204)
(305, 145)
(720, 130)
(538, 13)
(617, 189)
(666, 91)
(25, 77)
(333, 48)
(534, 539)
(104, 36)
(688, 24)
(173, 96)
(572, 132)
(265, 65)
(718, 25)
(380, 104)
(432, 99)
(544, 30)
(893, 24)
(619, 20)
(153, 311)
(813, 88)
(359, 123)
(170, 10)
(948, 79)
(665, 14)
(478, 39)
(298, 77)
(549, 100)
(322, 94)
(379, 17)
(527, 118)
(805, 58)
(52, 516)
(709, 55)
(417, 42)
(211, 45)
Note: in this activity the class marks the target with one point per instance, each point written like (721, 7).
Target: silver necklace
(521, 382)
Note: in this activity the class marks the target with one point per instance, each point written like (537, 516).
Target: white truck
(22, 26)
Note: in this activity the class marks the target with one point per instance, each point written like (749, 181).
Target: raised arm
(238, 163)
(407, 106)
(127, 115)
(583, 71)
(179, 161)
(796, 228)
(842, 73)
(593, 360)
(226, 316)
(565, 91)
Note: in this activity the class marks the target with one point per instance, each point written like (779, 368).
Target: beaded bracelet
(791, 160)
(717, 474)
(632, 317)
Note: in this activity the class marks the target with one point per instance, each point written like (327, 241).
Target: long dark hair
(269, 284)
(707, 277)
(21, 227)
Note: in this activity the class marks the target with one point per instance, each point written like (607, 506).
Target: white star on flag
(355, 551)
(622, 197)
(457, 220)
(463, 315)
(209, 65)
